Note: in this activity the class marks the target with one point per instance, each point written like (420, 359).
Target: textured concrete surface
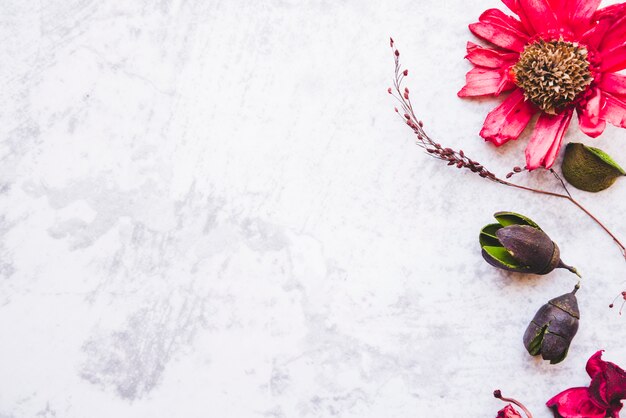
(209, 209)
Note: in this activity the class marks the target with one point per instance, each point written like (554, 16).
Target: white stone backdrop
(209, 209)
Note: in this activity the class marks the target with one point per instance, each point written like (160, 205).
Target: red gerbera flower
(559, 56)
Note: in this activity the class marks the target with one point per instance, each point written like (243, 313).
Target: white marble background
(209, 209)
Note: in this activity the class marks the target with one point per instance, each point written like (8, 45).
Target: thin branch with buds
(459, 158)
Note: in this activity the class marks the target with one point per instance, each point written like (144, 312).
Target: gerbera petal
(513, 5)
(594, 36)
(508, 120)
(589, 119)
(605, 18)
(615, 35)
(615, 110)
(498, 17)
(575, 403)
(501, 30)
(581, 12)
(540, 14)
(614, 59)
(489, 58)
(614, 11)
(613, 83)
(546, 140)
(561, 9)
(483, 82)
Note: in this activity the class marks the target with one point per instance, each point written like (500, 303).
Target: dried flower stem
(459, 159)
(498, 395)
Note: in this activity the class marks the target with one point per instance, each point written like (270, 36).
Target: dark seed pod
(516, 243)
(551, 331)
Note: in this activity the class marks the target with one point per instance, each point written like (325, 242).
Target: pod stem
(570, 268)
(497, 394)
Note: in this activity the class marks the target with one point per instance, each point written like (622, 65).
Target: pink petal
(594, 36)
(614, 83)
(575, 403)
(508, 412)
(483, 82)
(489, 58)
(606, 18)
(498, 17)
(513, 5)
(608, 382)
(614, 11)
(613, 59)
(561, 9)
(508, 120)
(540, 14)
(595, 364)
(501, 30)
(615, 35)
(589, 119)
(615, 110)
(580, 13)
(546, 140)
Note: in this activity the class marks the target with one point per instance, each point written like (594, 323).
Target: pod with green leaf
(516, 243)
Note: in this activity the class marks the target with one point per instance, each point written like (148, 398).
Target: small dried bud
(391, 42)
(509, 175)
(389, 90)
(405, 72)
(396, 109)
(397, 53)
(517, 169)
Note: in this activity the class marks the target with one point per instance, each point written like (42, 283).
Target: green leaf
(512, 218)
(488, 236)
(535, 345)
(606, 158)
(503, 256)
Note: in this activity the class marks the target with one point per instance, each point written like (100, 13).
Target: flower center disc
(553, 74)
